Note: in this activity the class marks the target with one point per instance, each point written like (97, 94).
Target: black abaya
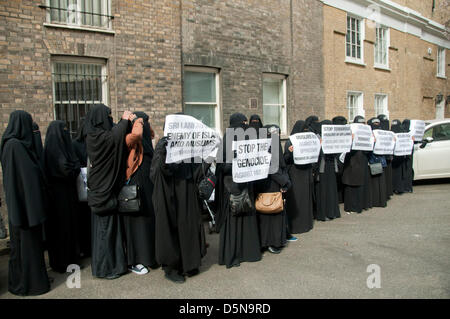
(299, 198)
(62, 168)
(239, 237)
(140, 228)
(179, 237)
(25, 197)
(106, 150)
(354, 178)
(326, 189)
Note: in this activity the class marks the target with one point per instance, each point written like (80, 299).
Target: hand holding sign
(306, 147)
(336, 139)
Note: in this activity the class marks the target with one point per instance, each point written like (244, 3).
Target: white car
(432, 156)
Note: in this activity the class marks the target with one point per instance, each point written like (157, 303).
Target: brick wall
(411, 83)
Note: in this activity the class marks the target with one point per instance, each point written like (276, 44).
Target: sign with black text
(417, 129)
(336, 139)
(306, 148)
(385, 142)
(403, 144)
(252, 160)
(362, 137)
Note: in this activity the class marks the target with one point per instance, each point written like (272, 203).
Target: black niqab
(147, 135)
(299, 127)
(59, 157)
(255, 122)
(384, 122)
(339, 120)
(374, 123)
(37, 140)
(396, 126)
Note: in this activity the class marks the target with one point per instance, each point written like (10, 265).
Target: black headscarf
(405, 125)
(311, 124)
(359, 119)
(255, 122)
(22, 174)
(20, 127)
(384, 122)
(339, 120)
(106, 149)
(396, 126)
(147, 134)
(374, 123)
(79, 144)
(237, 120)
(37, 140)
(299, 127)
(59, 157)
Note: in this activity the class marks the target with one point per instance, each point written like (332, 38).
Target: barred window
(76, 87)
(354, 38)
(91, 13)
(381, 46)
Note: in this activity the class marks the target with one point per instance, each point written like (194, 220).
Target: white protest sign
(385, 142)
(403, 144)
(363, 139)
(417, 129)
(187, 137)
(306, 148)
(336, 139)
(252, 161)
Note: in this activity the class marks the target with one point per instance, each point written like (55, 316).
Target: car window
(428, 133)
(441, 132)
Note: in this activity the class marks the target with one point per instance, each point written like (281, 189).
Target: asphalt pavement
(404, 249)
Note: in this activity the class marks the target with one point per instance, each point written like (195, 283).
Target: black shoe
(111, 277)
(175, 277)
(274, 250)
(155, 266)
(193, 272)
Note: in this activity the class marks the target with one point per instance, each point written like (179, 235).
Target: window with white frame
(354, 105)
(441, 62)
(201, 95)
(381, 47)
(86, 13)
(77, 85)
(354, 39)
(274, 100)
(381, 104)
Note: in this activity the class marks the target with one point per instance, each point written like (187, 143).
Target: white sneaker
(139, 269)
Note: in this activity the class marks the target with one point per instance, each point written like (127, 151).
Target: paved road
(409, 240)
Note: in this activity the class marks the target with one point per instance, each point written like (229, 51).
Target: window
(354, 39)
(381, 105)
(354, 105)
(274, 100)
(441, 132)
(91, 13)
(77, 85)
(441, 62)
(201, 95)
(381, 47)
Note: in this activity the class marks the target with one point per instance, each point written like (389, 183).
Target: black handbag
(376, 169)
(207, 185)
(106, 208)
(241, 204)
(128, 199)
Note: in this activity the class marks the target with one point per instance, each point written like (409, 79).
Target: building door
(440, 108)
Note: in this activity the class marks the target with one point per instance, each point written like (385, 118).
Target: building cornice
(395, 16)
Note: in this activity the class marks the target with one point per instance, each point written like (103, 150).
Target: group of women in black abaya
(45, 212)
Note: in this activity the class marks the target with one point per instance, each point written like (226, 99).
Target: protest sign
(336, 139)
(385, 142)
(403, 144)
(306, 148)
(417, 129)
(187, 137)
(363, 139)
(252, 160)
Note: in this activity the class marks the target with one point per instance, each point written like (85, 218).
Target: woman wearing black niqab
(299, 198)
(179, 236)
(408, 161)
(140, 229)
(398, 164)
(25, 196)
(340, 120)
(106, 150)
(326, 186)
(37, 140)
(84, 211)
(378, 182)
(273, 227)
(388, 170)
(239, 237)
(61, 168)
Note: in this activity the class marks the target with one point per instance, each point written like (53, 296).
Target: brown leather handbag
(269, 203)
